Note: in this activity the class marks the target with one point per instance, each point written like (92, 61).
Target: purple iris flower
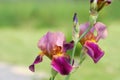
(89, 41)
(54, 46)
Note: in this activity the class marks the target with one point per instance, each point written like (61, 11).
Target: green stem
(72, 57)
(92, 20)
(73, 53)
(84, 33)
(74, 48)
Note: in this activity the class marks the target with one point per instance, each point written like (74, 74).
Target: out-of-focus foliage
(49, 13)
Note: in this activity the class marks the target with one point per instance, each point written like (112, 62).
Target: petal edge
(61, 64)
(94, 51)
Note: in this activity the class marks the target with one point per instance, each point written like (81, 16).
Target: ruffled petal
(62, 65)
(37, 60)
(94, 51)
(42, 44)
(50, 40)
(101, 31)
(60, 39)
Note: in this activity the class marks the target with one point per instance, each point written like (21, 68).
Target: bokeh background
(23, 22)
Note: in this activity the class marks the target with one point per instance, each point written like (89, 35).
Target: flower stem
(92, 20)
(74, 48)
(73, 53)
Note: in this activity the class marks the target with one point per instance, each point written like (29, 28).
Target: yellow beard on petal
(56, 51)
(88, 37)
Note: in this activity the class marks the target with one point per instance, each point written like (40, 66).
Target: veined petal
(94, 51)
(50, 40)
(37, 60)
(101, 31)
(62, 65)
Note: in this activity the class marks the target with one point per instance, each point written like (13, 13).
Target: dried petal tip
(32, 68)
(36, 61)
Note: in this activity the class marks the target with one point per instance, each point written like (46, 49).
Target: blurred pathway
(12, 72)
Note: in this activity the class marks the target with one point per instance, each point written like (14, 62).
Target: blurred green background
(23, 22)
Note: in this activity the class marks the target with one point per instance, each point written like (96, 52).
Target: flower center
(57, 50)
(89, 36)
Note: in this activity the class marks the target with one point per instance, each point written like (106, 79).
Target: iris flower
(89, 41)
(54, 46)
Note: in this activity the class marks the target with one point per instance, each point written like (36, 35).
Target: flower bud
(97, 5)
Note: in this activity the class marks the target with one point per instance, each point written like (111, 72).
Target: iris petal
(84, 27)
(101, 31)
(32, 67)
(94, 51)
(50, 40)
(61, 64)
(37, 60)
(68, 46)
